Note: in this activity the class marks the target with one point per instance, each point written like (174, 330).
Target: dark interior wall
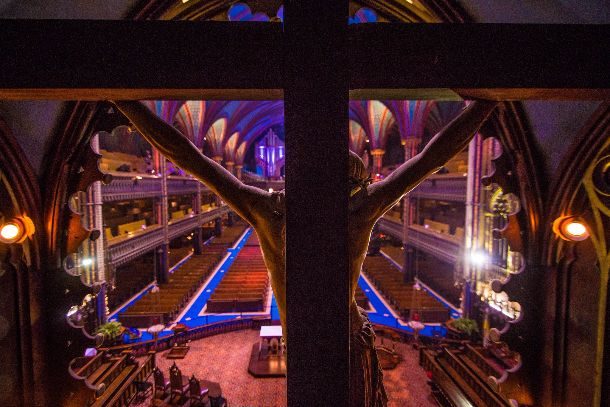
(10, 375)
(581, 295)
(606, 375)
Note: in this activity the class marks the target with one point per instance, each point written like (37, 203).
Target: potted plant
(463, 327)
(111, 331)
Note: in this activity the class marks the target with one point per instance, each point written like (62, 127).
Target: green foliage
(110, 330)
(465, 325)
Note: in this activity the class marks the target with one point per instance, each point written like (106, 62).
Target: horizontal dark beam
(77, 54)
(479, 56)
(505, 94)
(140, 94)
(76, 59)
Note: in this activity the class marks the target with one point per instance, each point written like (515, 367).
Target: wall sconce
(571, 228)
(16, 230)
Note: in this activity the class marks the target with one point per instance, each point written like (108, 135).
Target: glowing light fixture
(87, 262)
(16, 230)
(571, 228)
(478, 257)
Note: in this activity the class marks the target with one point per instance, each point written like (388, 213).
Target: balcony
(177, 185)
(391, 226)
(127, 247)
(266, 185)
(128, 185)
(442, 187)
(125, 186)
(441, 245)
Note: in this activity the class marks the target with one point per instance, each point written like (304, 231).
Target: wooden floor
(224, 359)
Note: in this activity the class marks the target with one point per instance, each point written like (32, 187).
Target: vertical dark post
(316, 97)
(408, 268)
(162, 263)
(218, 226)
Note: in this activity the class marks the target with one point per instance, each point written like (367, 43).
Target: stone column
(238, 171)
(229, 165)
(377, 160)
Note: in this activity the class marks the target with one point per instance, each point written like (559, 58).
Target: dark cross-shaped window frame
(315, 62)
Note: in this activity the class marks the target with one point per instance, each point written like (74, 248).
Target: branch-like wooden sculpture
(265, 211)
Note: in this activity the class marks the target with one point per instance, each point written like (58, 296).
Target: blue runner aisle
(193, 315)
(383, 315)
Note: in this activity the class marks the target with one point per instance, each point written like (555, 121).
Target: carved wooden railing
(108, 377)
(446, 187)
(446, 392)
(123, 395)
(476, 385)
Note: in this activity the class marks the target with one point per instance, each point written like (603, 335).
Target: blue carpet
(381, 315)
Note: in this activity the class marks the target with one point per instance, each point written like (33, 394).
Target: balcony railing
(129, 185)
(391, 226)
(125, 248)
(266, 185)
(177, 185)
(126, 185)
(445, 187)
(441, 245)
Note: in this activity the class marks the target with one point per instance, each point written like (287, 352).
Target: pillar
(218, 226)
(377, 160)
(229, 165)
(162, 264)
(238, 171)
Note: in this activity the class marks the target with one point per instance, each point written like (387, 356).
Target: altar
(271, 341)
(268, 357)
